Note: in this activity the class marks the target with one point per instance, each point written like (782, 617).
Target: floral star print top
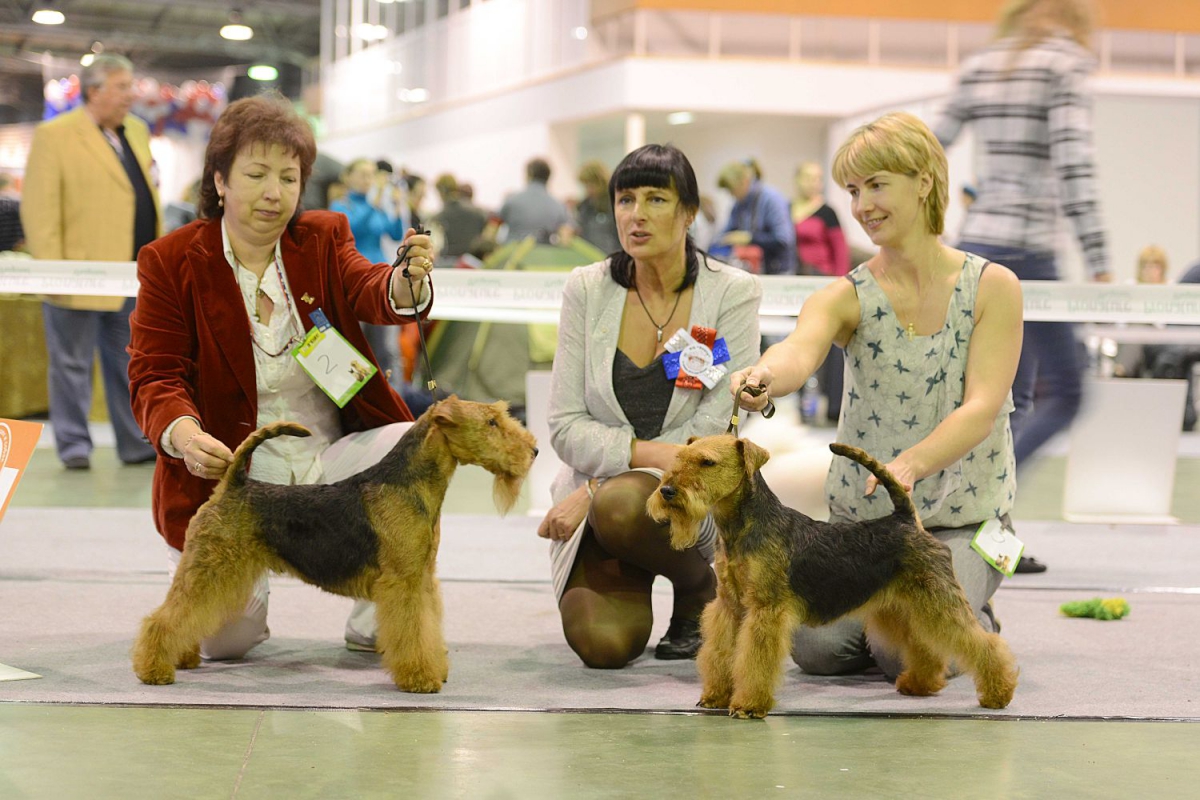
(897, 391)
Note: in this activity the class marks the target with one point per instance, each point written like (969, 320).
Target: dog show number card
(17, 442)
(999, 546)
(332, 362)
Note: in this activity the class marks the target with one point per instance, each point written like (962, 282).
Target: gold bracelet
(189, 441)
(590, 489)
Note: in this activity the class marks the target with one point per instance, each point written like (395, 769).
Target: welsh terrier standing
(373, 536)
(777, 569)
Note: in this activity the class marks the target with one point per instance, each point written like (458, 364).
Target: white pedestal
(1123, 449)
(547, 464)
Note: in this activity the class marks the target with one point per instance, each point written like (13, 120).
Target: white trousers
(345, 457)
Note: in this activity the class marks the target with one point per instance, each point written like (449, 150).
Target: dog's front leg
(718, 631)
(409, 634)
(763, 640)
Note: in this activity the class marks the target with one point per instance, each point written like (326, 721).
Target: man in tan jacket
(89, 196)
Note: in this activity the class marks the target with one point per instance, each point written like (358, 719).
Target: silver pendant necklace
(659, 328)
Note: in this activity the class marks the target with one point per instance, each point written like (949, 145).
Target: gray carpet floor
(74, 584)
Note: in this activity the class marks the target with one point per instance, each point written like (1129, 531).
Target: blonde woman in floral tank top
(932, 338)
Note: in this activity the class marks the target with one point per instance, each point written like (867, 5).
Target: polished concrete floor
(86, 752)
(61, 751)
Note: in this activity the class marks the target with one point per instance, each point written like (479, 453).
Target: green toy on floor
(1096, 608)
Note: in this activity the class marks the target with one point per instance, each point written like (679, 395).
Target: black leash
(402, 257)
(753, 391)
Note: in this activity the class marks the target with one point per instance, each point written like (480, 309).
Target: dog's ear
(753, 455)
(692, 439)
(443, 412)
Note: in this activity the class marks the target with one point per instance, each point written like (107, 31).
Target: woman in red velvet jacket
(221, 305)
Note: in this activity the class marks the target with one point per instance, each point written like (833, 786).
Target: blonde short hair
(594, 172)
(1033, 20)
(1152, 254)
(901, 143)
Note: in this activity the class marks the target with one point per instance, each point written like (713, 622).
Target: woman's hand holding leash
(415, 257)
(757, 382)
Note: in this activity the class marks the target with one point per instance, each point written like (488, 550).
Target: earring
(220, 201)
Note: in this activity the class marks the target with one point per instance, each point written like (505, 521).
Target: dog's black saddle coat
(321, 531)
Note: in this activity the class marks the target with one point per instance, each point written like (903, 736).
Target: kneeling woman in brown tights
(619, 412)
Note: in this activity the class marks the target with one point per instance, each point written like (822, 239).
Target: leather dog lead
(753, 391)
(403, 258)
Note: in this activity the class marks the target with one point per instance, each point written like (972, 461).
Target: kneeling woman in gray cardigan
(620, 409)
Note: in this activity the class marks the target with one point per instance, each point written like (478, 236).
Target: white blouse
(285, 391)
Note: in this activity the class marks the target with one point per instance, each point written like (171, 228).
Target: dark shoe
(681, 641)
(77, 462)
(1030, 564)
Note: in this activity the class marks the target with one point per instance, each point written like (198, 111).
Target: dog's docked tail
(236, 474)
(901, 499)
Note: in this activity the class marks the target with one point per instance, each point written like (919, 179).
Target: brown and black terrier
(373, 536)
(777, 569)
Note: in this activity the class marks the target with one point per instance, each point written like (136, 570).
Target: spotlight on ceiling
(413, 95)
(369, 32)
(680, 118)
(47, 14)
(262, 72)
(235, 30)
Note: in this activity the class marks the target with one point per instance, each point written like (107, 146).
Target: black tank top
(644, 394)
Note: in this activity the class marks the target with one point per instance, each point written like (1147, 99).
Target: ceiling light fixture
(369, 32)
(86, 59)
(413, 95)
(680, 118)
(47, 14)
(235, 30)
(262, 72)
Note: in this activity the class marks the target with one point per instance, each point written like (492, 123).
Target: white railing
(504, 296)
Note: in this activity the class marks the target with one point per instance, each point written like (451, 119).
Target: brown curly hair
(266, 119)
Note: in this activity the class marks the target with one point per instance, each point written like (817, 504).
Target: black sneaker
(681, 641)
(1030, 564)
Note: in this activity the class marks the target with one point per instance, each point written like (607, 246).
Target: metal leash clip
(402, 257)
(753, 391)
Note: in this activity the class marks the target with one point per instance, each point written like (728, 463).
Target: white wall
(1148, 154)
(1147, 136)
(488, 142)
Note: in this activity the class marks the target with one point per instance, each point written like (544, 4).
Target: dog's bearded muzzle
(669, 504)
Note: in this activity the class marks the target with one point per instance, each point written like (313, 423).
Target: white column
(635, 131)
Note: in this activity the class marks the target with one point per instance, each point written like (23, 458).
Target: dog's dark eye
(493, 422)
(707, 462)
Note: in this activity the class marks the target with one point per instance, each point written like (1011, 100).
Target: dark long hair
(662, 166)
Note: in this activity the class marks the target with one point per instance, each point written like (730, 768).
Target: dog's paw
(713, 701)
(742, 712)
(996, 701)
(160, 675)
(418, 684)
(998, 694)
(189, 660)
(919, 685)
